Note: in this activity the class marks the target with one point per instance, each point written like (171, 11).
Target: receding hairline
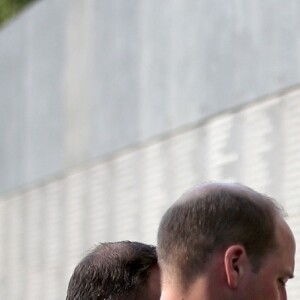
(235, 189)
(215, 187)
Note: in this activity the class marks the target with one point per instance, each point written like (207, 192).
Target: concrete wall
(31, 82)
(46, 228)
(81, 79)
(111, 109)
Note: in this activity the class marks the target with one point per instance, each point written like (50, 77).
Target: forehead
(284, 235)
(286, 245)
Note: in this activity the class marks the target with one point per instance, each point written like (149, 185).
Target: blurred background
(110, 110)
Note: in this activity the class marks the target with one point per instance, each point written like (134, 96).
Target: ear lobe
(234, 262)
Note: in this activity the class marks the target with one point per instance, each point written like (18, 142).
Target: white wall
(46, 228)
(81, 79)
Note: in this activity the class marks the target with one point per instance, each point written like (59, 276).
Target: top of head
(210, 218)
(119, 270)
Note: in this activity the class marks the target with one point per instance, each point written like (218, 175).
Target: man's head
(117, 271)
(220, 234)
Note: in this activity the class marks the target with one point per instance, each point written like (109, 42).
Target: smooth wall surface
(81, 79)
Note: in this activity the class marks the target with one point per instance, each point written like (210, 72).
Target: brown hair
(212, 217)
(115, 271)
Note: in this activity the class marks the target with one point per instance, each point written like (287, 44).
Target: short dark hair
(113, 271)
(212, 217)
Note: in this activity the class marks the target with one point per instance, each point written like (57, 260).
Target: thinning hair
(210, 218)
(113, 271)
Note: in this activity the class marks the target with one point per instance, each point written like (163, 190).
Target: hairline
(269, 206)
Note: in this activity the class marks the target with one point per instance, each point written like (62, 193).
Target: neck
(170, 295)
(204, 288)
(198, 291)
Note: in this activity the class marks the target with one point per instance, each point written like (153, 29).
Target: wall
(82, 79)
(46, 228)
(111, 109)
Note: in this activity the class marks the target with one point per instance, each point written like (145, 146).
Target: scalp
(208, 218)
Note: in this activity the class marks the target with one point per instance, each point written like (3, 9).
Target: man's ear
(235, 260)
